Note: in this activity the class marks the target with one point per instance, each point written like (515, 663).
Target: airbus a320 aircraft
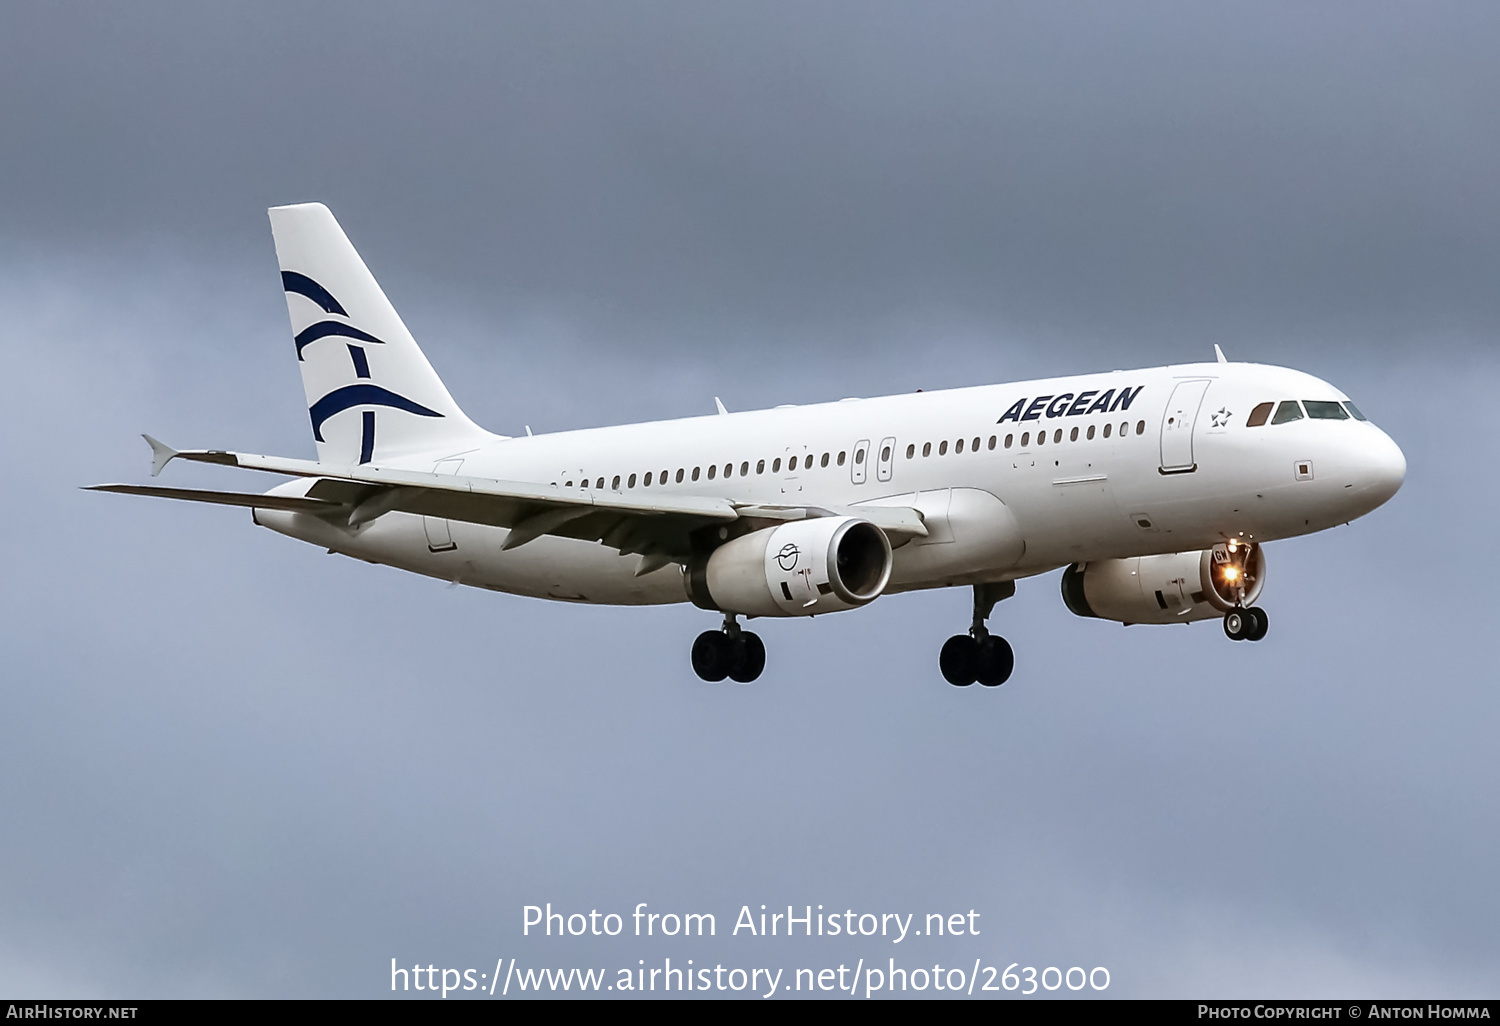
(1155, 489)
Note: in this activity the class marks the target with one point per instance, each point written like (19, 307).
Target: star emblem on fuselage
(1221, 418)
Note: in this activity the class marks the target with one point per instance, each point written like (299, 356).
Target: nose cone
(1381, 468)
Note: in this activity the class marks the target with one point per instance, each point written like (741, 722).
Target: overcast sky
(234, 765)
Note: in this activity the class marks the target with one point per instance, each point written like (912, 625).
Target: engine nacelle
(1174, 588)
(800, 568)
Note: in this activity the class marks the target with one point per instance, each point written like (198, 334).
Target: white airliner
(1155, 489)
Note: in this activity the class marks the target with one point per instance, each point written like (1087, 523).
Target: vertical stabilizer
(371, 393)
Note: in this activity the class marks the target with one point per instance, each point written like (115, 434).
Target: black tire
(1237, 624)
(712, 656)
(1262, 624)
(750, 658)
(959, 660)
(996, 661)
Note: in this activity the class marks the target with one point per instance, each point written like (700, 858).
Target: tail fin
(359, 364)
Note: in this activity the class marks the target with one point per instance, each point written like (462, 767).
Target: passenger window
(630, 483)
(745, 468)
(1259, 415)
(760, 467)
(695, 473)
(714, 469)
(1140, 427)
(824, 461)
(807, 463)
(1041, 438)
(841, 459)
(859, 457)
(679, 475)
(1124, 429)
(615, 484)
(662, 477)
(1106, 429)
(911, 450)
(647, 482)
(1008, 439)
(1073, 435)
(1057, 436)
(926, 448)
(1025, 439)
(1319, 409)
(776, 465)
(975, 446)
(992, 442)
(885, 455)
(958, 446)
(1286, 412)
(1090, 435)
(1353, 410)
(943, 448)
(599, 484)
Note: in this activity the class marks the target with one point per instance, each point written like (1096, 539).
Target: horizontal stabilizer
(161, 454)
(252, 500)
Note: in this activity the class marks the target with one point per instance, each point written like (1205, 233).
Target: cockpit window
(1259, 414)
(1319, 409)
(1289, 410)
(1353, 410)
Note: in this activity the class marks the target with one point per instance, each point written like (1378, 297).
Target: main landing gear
(979, 655)
(1246, 624)
(730, 652)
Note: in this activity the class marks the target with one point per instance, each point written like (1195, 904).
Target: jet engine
(801, 568)
(1173, 588)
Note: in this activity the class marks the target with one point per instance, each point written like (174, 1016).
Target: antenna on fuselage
(720, 404)
(1219, 353)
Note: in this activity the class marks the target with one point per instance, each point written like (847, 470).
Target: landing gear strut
(979, 655)
(730, 652)
(1246, 624)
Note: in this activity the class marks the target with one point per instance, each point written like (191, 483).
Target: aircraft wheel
(1262, 624)
(713, 656)
(996, 661)
(959, 660)
(1238, 623)
(749, 657)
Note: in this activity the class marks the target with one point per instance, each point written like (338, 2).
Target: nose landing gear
(979, 655)
(731, 652)
(1246, 624)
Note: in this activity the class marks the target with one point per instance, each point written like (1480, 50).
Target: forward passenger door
(1177, 424)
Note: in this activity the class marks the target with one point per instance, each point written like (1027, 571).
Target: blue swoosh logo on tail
(341, 399)
(325, 329)
(301, 284)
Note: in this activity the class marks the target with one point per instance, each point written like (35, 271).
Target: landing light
(1230, 573)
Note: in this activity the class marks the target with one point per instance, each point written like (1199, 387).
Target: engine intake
(1174, 588)
(801, 568)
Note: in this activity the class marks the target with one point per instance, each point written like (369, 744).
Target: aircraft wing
(658, 527)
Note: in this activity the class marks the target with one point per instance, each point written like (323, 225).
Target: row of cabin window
(1289, 410)
(795, 463)
(1041, 439)
(859, 456)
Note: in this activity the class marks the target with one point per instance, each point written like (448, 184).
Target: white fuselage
(1178, 470)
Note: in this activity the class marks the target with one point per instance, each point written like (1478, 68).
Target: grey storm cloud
(236, 766)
